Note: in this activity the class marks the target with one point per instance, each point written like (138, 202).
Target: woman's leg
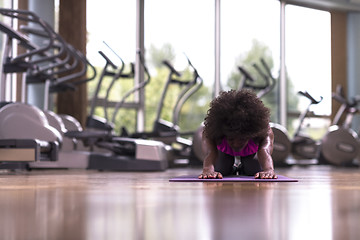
(250, 165)
(225, 164)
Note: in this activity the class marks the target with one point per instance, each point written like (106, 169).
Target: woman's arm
(264, 156)
(210, 151)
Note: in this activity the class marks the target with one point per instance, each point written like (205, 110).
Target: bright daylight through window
(249, 34)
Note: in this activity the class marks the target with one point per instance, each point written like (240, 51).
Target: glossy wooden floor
(80, 204)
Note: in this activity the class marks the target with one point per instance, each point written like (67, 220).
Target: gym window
(308, 66)
(188, 27)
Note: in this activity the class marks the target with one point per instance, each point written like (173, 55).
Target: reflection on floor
(80, 204)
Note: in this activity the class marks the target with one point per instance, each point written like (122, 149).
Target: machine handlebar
(172, 69)
(107, 59)
(246, 74)
(308, 96)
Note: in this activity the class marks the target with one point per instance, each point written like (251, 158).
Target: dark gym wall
(338, 54)
(72, 27)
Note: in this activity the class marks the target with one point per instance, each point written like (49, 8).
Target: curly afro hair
(239, 114)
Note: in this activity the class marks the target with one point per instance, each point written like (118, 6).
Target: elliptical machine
(340, 145)
(116, 72)
(141, 155)
(26, 134)
(181, 149)
(124, 153)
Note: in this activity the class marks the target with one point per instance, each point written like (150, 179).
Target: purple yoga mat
(192, 178)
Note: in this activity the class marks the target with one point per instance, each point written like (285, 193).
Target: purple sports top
(249, 149)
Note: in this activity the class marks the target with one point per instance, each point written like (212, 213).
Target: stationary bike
(302, 146)
(340, 146)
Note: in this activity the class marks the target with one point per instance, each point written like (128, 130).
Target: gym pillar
(72, 27)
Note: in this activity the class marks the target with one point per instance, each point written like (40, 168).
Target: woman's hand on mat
(210, 174)
(269, 174)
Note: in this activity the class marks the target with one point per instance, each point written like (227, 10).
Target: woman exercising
(237, 125)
